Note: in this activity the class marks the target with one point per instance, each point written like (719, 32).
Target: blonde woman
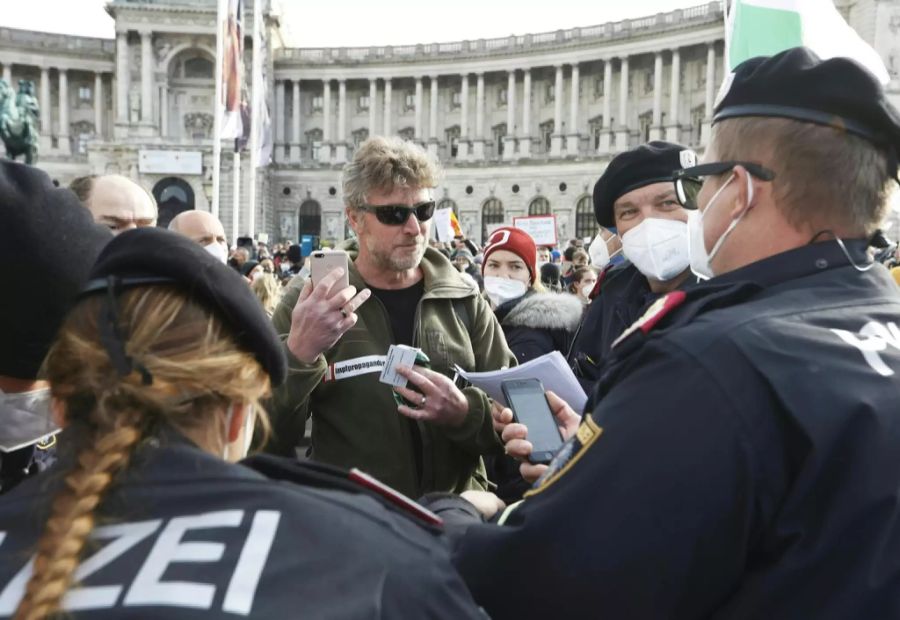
(268, 290)
(158, 373)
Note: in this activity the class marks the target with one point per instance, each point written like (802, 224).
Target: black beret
(295, 254)
(653, 162)
(798, 85)
(145, 256)
(48, 242)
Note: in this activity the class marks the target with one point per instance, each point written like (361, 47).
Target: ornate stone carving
(197, 122)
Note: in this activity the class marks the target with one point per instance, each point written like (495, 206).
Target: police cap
(147, 256)
(654, 162)
(796, 84)
(48, 242)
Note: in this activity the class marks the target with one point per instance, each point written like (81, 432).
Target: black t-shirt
(401, 307)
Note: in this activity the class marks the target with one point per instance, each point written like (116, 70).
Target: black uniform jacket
(745, 462)
(188, 535)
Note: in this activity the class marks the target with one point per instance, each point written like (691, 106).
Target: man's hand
(515, 436)
(322, 315)
(486, 502)
(501, 416)
(440, 402)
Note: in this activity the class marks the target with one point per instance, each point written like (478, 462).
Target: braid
(106, 451)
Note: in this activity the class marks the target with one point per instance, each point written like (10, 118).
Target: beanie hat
(462, 253)
(516, 241)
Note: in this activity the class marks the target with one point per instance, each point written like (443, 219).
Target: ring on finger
(344, 313)
(424, 400)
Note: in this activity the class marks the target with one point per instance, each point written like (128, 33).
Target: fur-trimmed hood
(546, 311)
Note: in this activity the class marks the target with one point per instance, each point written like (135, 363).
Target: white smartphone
(322, 263)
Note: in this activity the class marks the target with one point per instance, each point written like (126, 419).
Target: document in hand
(551, 369)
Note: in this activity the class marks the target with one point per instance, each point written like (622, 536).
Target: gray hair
(824, 177)
(384, 164)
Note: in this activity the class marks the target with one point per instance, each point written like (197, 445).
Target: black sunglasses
(688, 182)
(396, 215)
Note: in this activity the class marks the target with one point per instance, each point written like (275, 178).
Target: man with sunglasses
(430, 435)
(635, 195)
(743, 460)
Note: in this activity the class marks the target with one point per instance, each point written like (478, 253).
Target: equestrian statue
(18, 120)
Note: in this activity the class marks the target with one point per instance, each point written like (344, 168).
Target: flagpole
(236, 199)
(256, 103)
(217, 111)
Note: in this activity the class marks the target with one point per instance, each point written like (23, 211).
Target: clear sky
(319, 23)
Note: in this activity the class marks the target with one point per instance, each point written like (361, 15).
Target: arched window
(198, 68)
(491, 213)
(310, 218)
(539, 206)
(585, 220)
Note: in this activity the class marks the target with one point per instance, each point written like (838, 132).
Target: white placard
(542, 228)
(443, 227)
(170, 162)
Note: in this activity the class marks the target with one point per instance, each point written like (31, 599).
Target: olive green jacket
(355, 418)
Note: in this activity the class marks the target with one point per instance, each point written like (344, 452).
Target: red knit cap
(513, 240)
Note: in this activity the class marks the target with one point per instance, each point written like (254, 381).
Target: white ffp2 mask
(658, 248)
(502, 290)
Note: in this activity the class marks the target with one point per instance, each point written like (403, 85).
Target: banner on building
(767, 27)
(231, 29)
(262, 120)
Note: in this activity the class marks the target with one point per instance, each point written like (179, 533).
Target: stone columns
(325, 149)
(710, 79)
(123, 77)
(65, 146)
(296, 151)
(478, 143)
(463, 151)
(387, 106)
(433, 140)
(622, 133)
(604, 145)
(656, 124)
(163, 109)
(7, 75)
(525, 129)
(673, 130)
(557, 137)
(46, 126)
(279, 121)
(418, 111)
(373, 112)
(146, 78)
(573, 139)
(509, 142)
(341, 150)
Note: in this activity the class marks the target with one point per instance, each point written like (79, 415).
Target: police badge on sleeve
(571, 451)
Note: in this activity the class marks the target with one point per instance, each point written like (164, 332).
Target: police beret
(798, 85)
(653, 162)
(48, 242)
(145, 256)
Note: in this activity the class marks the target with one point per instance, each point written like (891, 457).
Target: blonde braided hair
(197, 369)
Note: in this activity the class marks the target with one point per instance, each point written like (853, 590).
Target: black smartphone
(529, 405)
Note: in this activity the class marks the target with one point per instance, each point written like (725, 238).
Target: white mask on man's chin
(249, 425)
(218, 250)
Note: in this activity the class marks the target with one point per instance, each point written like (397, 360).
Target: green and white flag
(767, 27)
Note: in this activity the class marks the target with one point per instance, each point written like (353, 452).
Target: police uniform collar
(799, 262)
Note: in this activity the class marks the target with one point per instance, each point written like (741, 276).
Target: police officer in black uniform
(48, 242)
(635, 195)
(157, 371)
(742, 459)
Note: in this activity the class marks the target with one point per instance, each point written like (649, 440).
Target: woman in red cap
(534, 321)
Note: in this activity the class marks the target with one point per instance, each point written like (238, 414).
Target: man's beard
(386, 260)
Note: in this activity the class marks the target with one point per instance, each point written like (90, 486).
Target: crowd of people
(193, 430)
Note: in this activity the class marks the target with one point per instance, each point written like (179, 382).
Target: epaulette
(322, 476)
(653, 315)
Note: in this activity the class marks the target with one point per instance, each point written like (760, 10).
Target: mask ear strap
(749, 189)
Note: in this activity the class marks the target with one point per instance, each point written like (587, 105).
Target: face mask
(586, 289)
(258, 275)
(502, 290)
(658, 248)
(700, 258)
(218, 250)
(25, 418)
(599, 252)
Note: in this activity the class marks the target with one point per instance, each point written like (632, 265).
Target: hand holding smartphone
(322, 263)
(529, 405)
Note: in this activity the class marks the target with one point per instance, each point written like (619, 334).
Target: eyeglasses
(396, 215)
(688, 182)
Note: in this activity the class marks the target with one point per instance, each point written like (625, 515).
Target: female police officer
(158, 372)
